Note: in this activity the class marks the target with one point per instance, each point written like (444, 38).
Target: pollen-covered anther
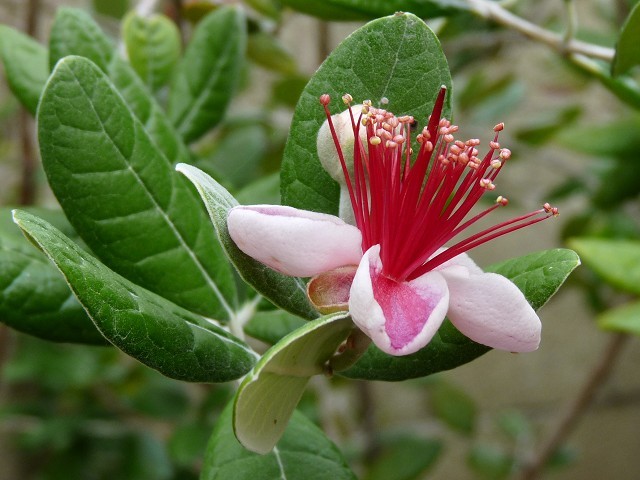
(494, 145)
(504, 201)
(487, 184)
(367, 103)
(375, 140)
(499, 127)
(325, 99)
(391, 144)
(347, 99)
(505, 153)
(496, 163)
(552, 210)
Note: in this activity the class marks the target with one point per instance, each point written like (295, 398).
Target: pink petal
(489, 309)
(294, 242)
(400, 317)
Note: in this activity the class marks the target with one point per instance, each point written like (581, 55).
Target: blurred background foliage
(92, 413)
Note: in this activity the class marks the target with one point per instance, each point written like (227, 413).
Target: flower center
(411, 208)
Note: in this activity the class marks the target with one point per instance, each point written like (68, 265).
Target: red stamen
(412, 208)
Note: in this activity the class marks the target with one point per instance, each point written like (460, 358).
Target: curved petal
(294, 242)
(489, 309)
(400, 317)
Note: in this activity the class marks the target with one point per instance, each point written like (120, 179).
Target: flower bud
(326, 147)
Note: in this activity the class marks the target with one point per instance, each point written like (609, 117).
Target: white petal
(400, 317)
(294, 242)
(489, 309)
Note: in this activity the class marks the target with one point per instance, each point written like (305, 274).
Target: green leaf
(270, 392)
(76, 29)
(616, 261)
(272, 326)
(158, 333)
(25, 65)
(267, 51)
(405, 457)
(75, 33)
(237, 154)
(539, 275)
(208, 73)
(398, 58)
(628, 47)
(122, 196)
(348, 10)
(624, 87)
(153, 46)
(286, 292)
(303, 453)
(622, 319)
(34, 297)
(454, 407)
(264, 191)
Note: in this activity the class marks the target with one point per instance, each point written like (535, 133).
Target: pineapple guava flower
(391, 270)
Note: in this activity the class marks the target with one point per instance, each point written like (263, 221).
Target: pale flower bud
(327, 149)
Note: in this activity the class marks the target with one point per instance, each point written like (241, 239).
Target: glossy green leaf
(75, 33)
(158, 333)
(72, 30)
(25, 65)
(286, 292)
(622, 319)
(616, 261)
(34, 297)
(347, 10)
(453, 407)
(270, 392)
(122, 196)
(153, 47)
(398, 58)
(208, 73)
(539, 275)
(628, 47)
(272, 326)
(303, 453)
(404, 457)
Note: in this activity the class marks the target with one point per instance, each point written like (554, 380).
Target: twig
(29, 164)
(324, 36)
(578, 408)
(493, 11)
